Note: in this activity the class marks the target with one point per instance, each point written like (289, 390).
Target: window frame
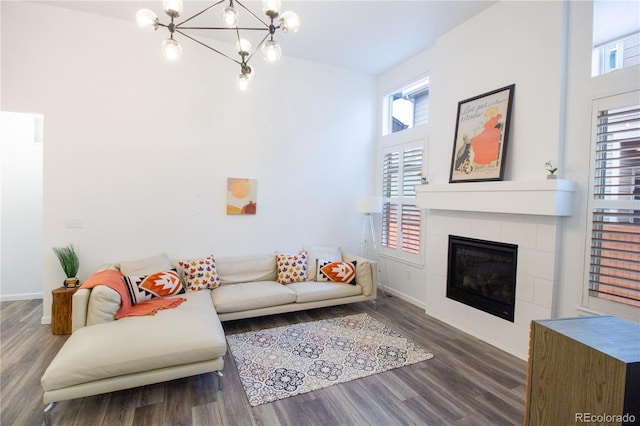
(589, 302)
(387, 105)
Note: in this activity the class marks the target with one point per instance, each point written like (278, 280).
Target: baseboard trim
(492, 342)
(402, 296)
(21, 296)
(45, 320)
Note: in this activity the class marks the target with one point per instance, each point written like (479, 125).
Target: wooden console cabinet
(61, 310)
(582, 370)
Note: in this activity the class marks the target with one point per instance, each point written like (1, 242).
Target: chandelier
(229, 19)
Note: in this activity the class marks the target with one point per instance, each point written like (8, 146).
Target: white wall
(544, 48)
(21, 213)
(498, 47)
(138, 151)
(581, 91)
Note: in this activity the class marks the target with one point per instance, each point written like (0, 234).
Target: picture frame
(481, 136)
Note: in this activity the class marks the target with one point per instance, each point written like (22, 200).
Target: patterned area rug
(285, 361)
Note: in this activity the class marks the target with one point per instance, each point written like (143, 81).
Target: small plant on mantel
(70, 264)
(423, 179)
(551, 169)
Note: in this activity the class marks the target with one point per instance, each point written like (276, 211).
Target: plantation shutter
(411, 229)
(390, 225)
(390, 177)
(411, 169)
(615, 231)
(401, 219)
(390, 190)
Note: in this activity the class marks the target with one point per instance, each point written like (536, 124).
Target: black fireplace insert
(482, 274)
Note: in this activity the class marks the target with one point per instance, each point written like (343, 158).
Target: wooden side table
(582, 369)
(61, 310)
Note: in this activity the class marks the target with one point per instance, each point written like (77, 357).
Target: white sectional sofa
(105, 355)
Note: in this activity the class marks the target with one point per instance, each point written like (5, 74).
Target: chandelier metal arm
(217, 28)
(200, 13)
(208, 47)
(258, 47)
(253, 14)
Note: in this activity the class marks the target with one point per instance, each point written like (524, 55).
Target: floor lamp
(368, 206)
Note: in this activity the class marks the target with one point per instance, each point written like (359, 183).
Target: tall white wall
(502, 45)
(582, 89)
(21, 166)
(544, 48)
(138, 151)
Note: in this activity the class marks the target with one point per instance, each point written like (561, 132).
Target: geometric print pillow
(200, 274)
(337, 272)
(159, 284)
(292, 268)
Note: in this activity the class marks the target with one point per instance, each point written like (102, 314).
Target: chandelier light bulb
(147, 20)
(271, 51)
(244, 46)
(173, 8)
(230, 16)
(243, 82)
(271, 8)
(171, 50)
(289, 22)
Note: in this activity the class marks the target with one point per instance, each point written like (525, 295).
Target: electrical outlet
(73, 222)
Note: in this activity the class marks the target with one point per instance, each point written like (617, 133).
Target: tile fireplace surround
(528, 214)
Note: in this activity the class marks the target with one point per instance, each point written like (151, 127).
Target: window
(614, 252)
(401, 219)
(408, 107)
(616, 36)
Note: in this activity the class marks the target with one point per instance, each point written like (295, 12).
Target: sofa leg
(47, 413)
(220, 378)
(375, 305)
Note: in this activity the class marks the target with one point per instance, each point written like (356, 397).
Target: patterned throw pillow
(292, 268)
(337, 272)
(160, 284)
(200, 274)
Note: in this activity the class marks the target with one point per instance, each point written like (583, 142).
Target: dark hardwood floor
(468, 382)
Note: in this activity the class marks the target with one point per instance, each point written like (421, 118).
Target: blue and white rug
(285, 361)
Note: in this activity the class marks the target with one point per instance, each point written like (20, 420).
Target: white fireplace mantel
(549, 197)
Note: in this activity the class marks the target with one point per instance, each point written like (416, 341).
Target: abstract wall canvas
(241, 196)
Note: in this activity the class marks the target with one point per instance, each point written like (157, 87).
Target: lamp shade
(369, 204)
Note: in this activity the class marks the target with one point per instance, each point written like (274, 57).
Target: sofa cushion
(200, 274)
(146, 266)
(252, 295)
(244, 269)
(331, 254)
(292, 268)
(337, 272)
(312, 291)
(187, 334)
(104, 303)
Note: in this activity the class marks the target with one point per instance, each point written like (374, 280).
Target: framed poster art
(482, 133)
(241, 196)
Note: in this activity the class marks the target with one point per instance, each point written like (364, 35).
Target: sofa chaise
(105, 355)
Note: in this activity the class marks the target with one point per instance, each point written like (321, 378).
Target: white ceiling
(366, 36)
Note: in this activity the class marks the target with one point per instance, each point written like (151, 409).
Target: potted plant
(551, 169)
(69, 261)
